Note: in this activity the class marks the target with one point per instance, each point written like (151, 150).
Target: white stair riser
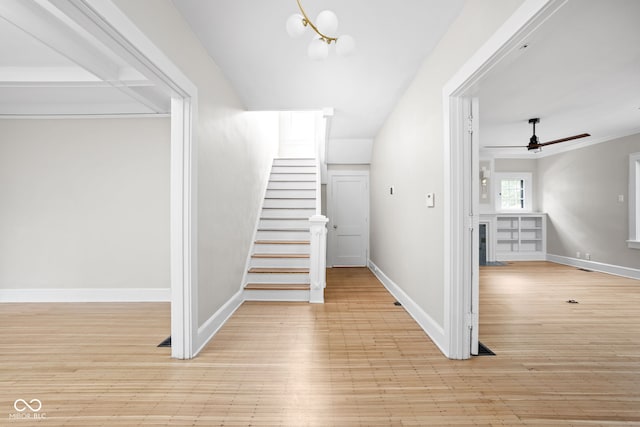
(281, 249)
(280, 262)
(294, 162)
(291, 194)
(277, 277)
(293, 177)
(289, 203)
(283, 224)
(282, 235)
(291, 185)
(293, 169)
(275, 295)
(288, 213)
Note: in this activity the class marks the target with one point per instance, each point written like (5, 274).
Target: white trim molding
(211, 327)
(634, 201)
(85, 295)
(105, 21)
(616, 270)
(435, 331)
(458, 287)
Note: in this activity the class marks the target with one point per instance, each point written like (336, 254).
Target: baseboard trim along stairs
(279, 264)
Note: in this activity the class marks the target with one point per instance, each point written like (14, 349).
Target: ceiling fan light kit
(326, 23)
(534, 144)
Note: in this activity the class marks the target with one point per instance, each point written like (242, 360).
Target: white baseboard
(86, 295)
(426, 322)
(632, 273)
(215, 322)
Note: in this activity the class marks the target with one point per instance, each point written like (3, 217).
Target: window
(514, 192)
(634, 201)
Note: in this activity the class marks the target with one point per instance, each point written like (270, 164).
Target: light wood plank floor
(356, 360)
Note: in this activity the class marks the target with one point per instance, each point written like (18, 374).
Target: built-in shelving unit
(516, 237)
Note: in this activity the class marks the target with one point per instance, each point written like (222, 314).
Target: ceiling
(271, 71)
(49, 67)
(580, 71)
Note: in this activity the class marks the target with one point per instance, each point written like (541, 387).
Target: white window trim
(634, 201)
(528, 194)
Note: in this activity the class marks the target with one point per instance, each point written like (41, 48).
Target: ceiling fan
(534, 144)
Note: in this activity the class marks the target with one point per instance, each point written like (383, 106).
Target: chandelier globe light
(327, 22)
(325, 28)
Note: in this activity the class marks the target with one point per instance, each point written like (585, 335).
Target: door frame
(104, 20)
(331, 250)
(459, 252)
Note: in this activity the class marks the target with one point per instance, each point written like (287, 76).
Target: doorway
(348, 212)
(462, 179)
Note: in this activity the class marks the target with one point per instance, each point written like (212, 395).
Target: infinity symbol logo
(21, 405)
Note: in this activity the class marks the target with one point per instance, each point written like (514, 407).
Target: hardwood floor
(356, 360)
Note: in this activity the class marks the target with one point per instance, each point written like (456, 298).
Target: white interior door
(348, 210)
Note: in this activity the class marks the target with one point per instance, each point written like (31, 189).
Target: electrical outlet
(587, 256)
(620, 198)
(577, 254)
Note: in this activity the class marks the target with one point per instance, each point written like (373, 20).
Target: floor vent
(484, 350)
(165, 343)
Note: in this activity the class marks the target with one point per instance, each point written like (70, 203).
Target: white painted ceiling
(579, 73)
(271, 71)
(49, 66)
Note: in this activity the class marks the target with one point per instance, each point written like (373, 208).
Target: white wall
(84, 203)
(235, 149)
(407, 237)
(349, 151)
(580, 190)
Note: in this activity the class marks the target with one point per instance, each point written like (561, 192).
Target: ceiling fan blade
(569, 138)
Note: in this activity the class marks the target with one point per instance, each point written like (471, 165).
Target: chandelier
(326, 27)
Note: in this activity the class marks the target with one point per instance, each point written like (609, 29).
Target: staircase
(278, 269)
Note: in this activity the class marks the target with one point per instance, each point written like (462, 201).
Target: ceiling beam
(41, 24)
(54, 23)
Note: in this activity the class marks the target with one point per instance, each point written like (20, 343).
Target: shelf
(519, 237)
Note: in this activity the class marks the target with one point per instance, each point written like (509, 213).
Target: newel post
(318, 258)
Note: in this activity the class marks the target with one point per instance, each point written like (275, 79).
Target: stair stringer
(255, 230)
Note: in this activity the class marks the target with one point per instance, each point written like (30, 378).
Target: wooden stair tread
(277, 286)
(278, 270)
(285, 178)
(282, 242)
(286, 218)
(287, 208)
(280, 256)
(308, 168)
(290, 198)
(282, 229)
(291, 189)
